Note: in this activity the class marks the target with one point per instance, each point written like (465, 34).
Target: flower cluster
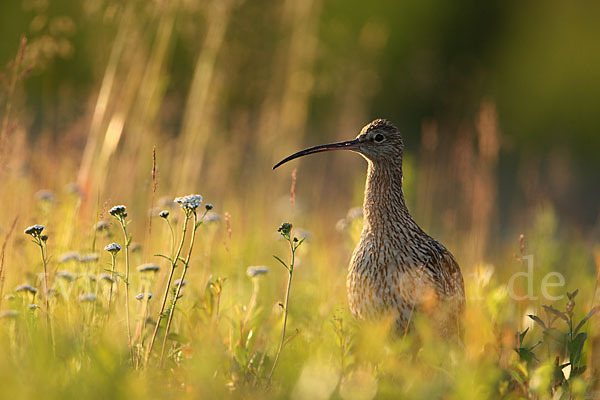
(34, 230)
(190, 202)
(118, 211)
(164, 214)
(26, 288)
(255, 271)
(68, 256)
(148, 268)
(106, 277)
(88, 298)
(285, 229)
(102, 226)
(66, 275)
(113, 248)
(45, 195)
(88, 258)
(141, 296)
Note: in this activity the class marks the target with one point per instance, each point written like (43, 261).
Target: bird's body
(396, 268)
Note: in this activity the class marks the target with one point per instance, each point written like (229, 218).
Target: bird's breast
(380, 279)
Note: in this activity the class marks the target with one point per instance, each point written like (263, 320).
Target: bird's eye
(379, 138)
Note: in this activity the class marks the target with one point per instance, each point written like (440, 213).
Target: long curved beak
(347, 145)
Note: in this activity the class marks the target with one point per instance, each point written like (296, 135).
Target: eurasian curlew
(396, 268)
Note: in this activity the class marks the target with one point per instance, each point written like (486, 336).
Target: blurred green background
(247, 82)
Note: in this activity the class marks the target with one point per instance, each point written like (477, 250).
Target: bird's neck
(384, 204)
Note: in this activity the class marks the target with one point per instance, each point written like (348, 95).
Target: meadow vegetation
(115, 281)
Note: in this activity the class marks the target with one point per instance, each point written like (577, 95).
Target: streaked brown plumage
(396, 268)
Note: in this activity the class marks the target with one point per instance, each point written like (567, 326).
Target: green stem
(285, 311)
(45, 264)
(112, 276)
(178, 290)
(127, 243)
(174, 259)
(172, 237)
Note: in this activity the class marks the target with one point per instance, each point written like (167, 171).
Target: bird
(396, 269)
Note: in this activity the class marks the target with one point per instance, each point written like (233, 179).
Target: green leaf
(526, 355)
(282, 262)
(522, 335)
(299, 243)
(536, 345)
(575, 347)
(241, 355)
(555, 335)
(554, 311)
(163, 256)
(584, 320)
(538, 320)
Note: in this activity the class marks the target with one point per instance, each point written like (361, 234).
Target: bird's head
(378, 141)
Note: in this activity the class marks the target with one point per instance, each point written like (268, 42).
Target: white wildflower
(34, 230)
(88, 258)
(190, 202)
(106, 277)
(113, 248)
(69, 256)
(119, 211)
(66, 275)
(257, 270)
(26, 288)
(148, 268)
(45, 195)
(88, 297)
